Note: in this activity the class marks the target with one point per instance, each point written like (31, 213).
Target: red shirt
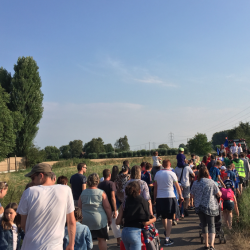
(223, 175)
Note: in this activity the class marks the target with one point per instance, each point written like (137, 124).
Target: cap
(181, 149)
(40, 168)
(223, 168)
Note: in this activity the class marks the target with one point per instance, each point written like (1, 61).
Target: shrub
(124, 154)
(143, 152)
(161, 151)
(120, 154)
(92, 155)
(103, 155)
(130, 154)
(174, 151)
(134, 153)
(139, 153)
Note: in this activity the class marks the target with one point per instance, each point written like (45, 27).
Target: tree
(5, 80)
(26, 97)
(96, 145)
(75, 148)
(199, 144)
(52, 153)
(65, 152)
(163, 146)
(218, 138)
(242, 131)
(182, 145)
(122, 144)
(35, 155)
(108, 148)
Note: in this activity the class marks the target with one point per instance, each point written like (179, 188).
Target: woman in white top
(239, 149)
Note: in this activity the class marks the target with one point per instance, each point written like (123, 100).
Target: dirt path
(185, 236)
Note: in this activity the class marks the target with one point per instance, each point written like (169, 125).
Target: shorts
(166, 207)
(241, 179)
(101, 233)
(228, 205)
(186, 192)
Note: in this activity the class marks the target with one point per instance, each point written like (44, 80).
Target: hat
(40, 168)
(223, 168)
(181, 149)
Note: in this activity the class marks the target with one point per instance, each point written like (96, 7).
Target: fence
(12, 164)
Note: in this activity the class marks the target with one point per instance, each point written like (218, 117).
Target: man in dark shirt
(211, 163)
(109, 188)
(78, 182)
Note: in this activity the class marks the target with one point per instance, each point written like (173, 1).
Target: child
(146, 176)
(223, 173)
(181, 158)
(193, 158)
(3, 192)
(63, 180)
(156, 164)
(209, 157)
(229, 203)
(10, 228)
(83, 238)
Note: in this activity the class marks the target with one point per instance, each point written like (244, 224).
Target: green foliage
(35, 155)
(242, 131)
(7, 135)
(65, 152)
(96, 145)
(120, 154)
(199, 144)
(163, 146)
(52, 153)
(139, 153)
(26, 97)
(130, 154)
(175, 151)
(143, 152)
(5, 80)
(218, 138)
(134, 153)
(182, 145)
(108, 147)
(92, 155)
(75, 148)
(103, 155)
(122, 144)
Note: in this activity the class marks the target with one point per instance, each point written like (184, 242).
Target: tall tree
(5, 80)
(26, 97)
(218, 138)
(75, 148)
(35, 155)
(108, 147)
(52, 153)
(96, 145)
(199, 145)
(122, 144)
(65, 152)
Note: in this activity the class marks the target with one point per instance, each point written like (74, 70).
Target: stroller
(219, 232)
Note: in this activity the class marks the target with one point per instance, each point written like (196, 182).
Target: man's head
(181, 150)
(106, 174)
(166, 164)
(82, 167)
(218, 164)
(193, 156)
(149, 166)
(126, 163)
(234, 144)
(235, 156)
(63, 180)
(212, 157)
(40, 173)
(242, 155)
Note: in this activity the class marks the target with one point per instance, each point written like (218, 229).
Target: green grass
(17, 182)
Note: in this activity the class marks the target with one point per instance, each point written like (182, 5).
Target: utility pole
(171, 137)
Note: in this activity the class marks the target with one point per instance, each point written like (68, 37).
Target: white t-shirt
(46, 207)
(156, 161)
(165, 181)
(185, 176)
(234, 149)
(15, 234)
(239, 150)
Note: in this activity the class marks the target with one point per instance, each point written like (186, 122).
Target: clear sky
(137, 68)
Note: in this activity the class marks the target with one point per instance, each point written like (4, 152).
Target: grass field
(17, 181)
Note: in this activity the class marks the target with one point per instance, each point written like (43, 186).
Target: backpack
(227, 194)
(212, 173)
(151, 237)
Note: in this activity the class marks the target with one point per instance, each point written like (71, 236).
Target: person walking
(246, 167)
(239, 167)
(205, 193)
(120, 182)
(109, 188)
(78, 181)
(96, 210)
(165, 198)
(44, 209)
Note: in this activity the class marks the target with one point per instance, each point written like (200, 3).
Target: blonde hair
(197, 158)
(93, 180)
(218, 163)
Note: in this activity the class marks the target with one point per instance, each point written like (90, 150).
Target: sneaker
(168, 242)
(174, 223)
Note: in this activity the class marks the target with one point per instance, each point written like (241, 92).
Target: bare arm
(178, 190)
(23, 221)
(80, 202)
(106, 206)
(219, 194)
(1, 210)
(150, 207)
(83, 186)
(220, 180)
(152, 220)
(113, 202)
(71, 224)
(120, 216)
(236, 206)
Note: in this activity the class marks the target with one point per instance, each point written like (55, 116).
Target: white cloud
(155, 80)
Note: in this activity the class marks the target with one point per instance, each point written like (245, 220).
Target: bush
(102, 155)
(134, 153)
(92, 155)
(139, 153)
(148, 152)
(130, 154)
(124, 154)
(143, 152)
(174, 151)
(120, 154)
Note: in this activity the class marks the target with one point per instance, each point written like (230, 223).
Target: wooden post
(15, 163)
(9, 165)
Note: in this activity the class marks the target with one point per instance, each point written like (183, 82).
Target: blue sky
(136, 68)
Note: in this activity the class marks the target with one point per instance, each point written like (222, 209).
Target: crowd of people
(52, 215)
